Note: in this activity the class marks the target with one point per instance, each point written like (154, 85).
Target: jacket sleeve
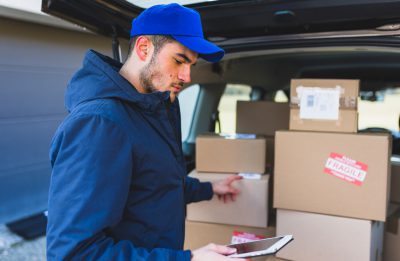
(196, 191)
(92, 167)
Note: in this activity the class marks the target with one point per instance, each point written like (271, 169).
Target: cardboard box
(346, 122)
(231, 153)
(391, 249)
(322, 237)
(261, 117)
(333, 173)
(201, 234)
(249, 209)
(324, 105)
(395, 183)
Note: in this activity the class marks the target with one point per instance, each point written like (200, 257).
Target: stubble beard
(146, 76)
(148, 73)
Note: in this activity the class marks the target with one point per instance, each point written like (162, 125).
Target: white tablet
(268, 246)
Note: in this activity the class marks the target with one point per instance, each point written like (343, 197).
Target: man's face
(169, 69)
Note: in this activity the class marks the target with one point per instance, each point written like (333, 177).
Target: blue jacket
(119, 184)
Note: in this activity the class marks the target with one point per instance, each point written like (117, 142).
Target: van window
(384, 112)
(188, 100)
(227, 106)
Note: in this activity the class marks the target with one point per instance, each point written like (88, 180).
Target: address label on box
(243, 237)
(319, 103)
(346, 168)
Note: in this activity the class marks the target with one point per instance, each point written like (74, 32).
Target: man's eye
(178, 62)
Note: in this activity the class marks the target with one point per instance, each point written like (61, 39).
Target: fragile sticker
(346, 168)
(243, 237)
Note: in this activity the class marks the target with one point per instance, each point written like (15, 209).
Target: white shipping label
(319, 103)
(247, 175)
(235, 136)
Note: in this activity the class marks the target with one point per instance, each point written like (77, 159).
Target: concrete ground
(15, 248)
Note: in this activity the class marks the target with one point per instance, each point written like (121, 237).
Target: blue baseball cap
(181, 23)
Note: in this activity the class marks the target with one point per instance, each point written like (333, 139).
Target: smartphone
(268, 246)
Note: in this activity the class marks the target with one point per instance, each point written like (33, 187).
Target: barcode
(310, 100)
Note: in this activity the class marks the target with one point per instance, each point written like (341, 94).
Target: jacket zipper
(168, 108)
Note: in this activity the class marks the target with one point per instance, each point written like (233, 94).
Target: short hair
(158, 42)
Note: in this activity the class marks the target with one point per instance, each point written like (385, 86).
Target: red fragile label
(346, 168)
(242, 237)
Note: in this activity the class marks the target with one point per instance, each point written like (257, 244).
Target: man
(119, 187)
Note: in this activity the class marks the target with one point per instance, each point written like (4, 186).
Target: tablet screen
(255, 245)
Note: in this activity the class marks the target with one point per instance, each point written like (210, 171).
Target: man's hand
(224, 188)
(213, 252)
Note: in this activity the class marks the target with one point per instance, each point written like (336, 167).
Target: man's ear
(143, 47)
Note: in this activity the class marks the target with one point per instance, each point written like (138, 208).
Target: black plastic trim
(230, 19)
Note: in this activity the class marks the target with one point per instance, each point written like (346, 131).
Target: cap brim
(206, 50)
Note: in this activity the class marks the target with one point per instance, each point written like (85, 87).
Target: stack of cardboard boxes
(264, 118)
(250, 155)
(331, 184)
(217, 157)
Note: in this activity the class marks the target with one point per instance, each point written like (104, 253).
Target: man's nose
(184, 74)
